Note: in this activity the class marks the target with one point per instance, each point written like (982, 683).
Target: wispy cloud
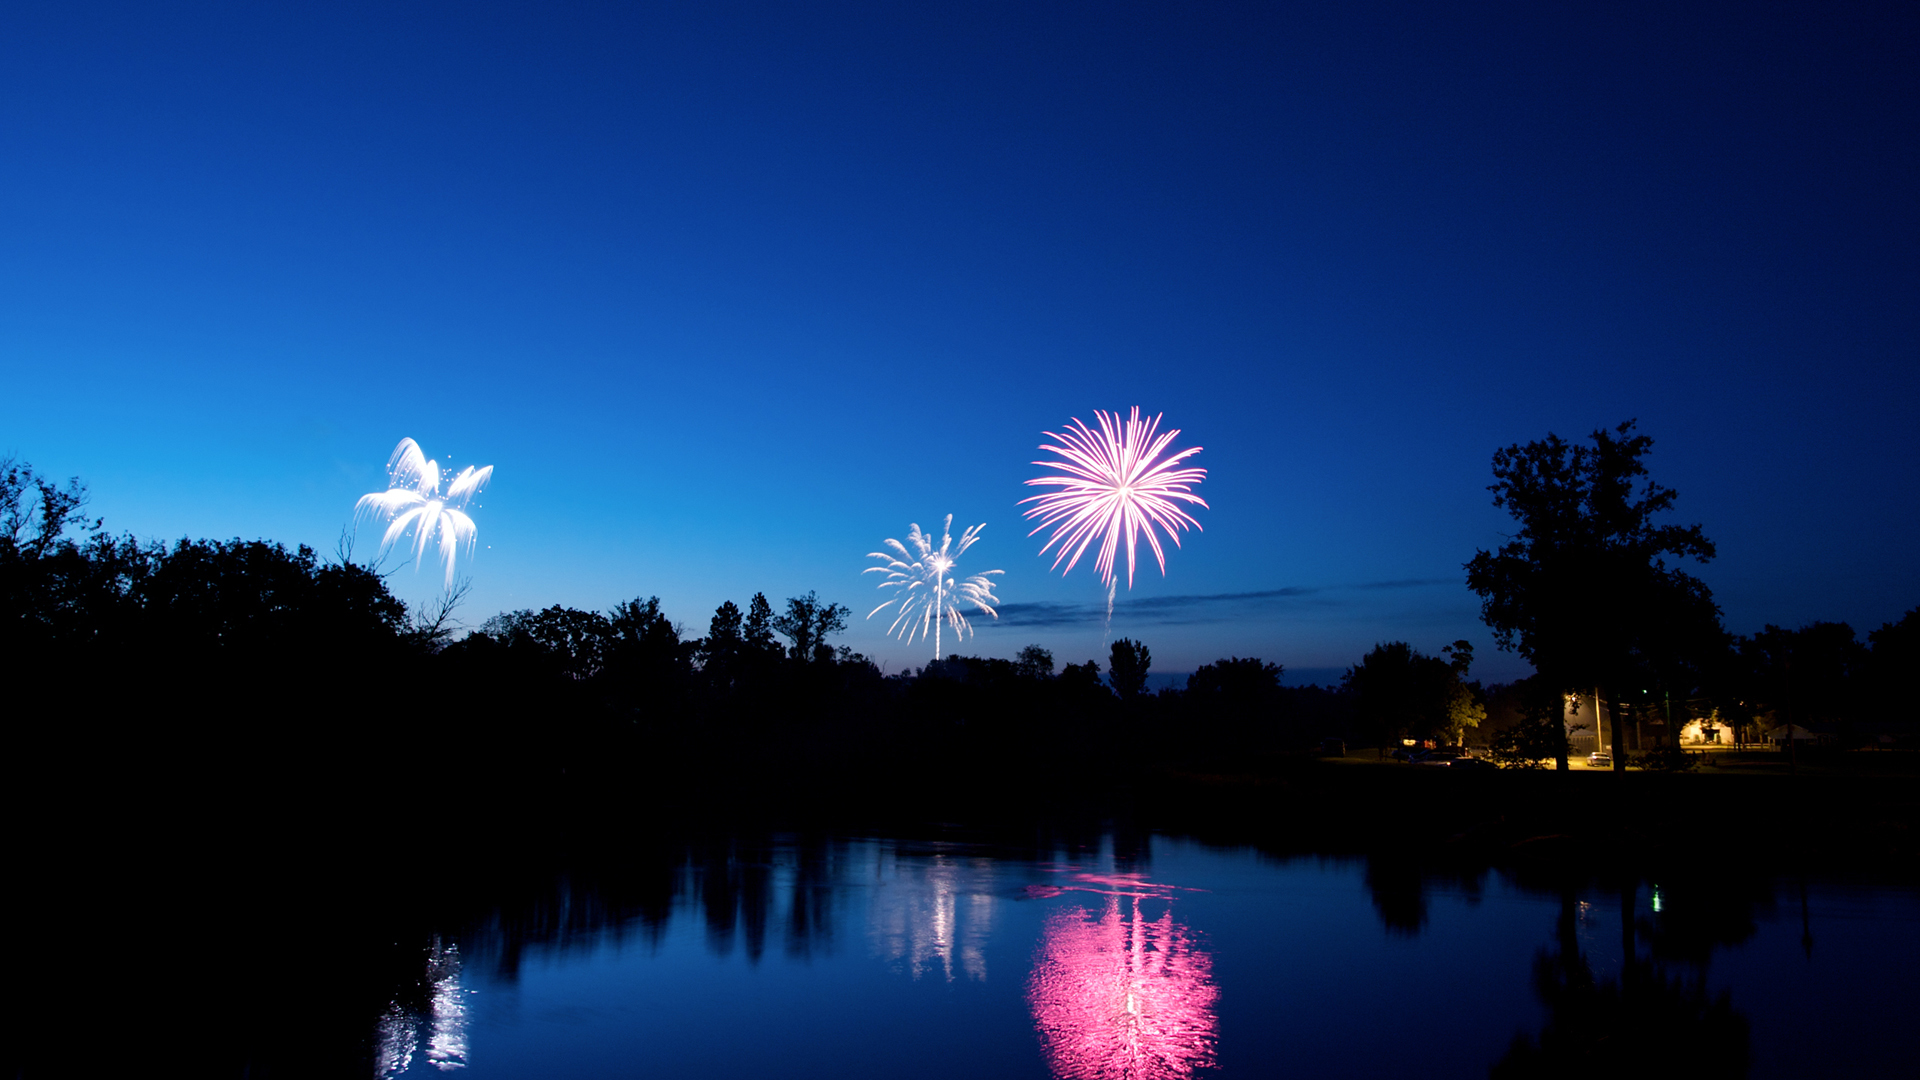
(1183, 610)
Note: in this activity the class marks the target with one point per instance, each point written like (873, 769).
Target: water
(865, 957)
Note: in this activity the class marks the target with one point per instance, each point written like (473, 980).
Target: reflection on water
(928, 916)
(1648, 1012)
(817, 956)
(442, 1016)
(1118, 994)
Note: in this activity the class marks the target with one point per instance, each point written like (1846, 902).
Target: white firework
(926, 587)
(413, 501)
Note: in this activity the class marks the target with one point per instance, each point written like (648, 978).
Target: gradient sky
(730, 293)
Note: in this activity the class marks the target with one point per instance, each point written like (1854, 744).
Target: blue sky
(729, 293)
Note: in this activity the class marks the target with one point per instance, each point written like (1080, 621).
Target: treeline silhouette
(223, 673)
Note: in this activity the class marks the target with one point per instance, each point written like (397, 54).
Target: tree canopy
(1583, 590)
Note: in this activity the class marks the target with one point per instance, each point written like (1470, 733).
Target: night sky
(728, 294)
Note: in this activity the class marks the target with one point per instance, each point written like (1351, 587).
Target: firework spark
(413, 501)
(1116, 485)
(925, 587)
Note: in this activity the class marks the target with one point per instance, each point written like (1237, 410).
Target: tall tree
(1127, 666)
(719, 652)
(1583, 590)
(757, 629)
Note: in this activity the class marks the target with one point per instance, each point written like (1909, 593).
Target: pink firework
(1117, 996)
(1116, 485)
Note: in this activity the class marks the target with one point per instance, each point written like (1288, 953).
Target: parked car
(1599, 759)
(1439, 755)
(1475, 764)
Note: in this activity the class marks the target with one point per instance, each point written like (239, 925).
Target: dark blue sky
(728, 294)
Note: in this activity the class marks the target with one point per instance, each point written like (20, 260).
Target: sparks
(413, 501)
(1116, 485)
(925, 587)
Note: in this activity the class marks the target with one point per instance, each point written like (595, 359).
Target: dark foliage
(1583, 590)
(1402, 693)
(1127, 667)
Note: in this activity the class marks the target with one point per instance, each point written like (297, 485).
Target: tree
(1235, 704)
(575, 641)
(644, 651)
(1583, 590)
(1248, 683)
(719, 652)
(1127, 666)
(36, 512)
(1400, 692)
(1814, 675)
(1531, 726)
(1034, 662)
(1894, 667)
(1466, 702)
(757, 630)
(807, 623)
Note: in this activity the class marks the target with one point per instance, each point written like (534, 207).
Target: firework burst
(1116, 486)
(925, 586)
(413, 501)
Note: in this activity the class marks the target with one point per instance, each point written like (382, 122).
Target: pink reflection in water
(1120, 996)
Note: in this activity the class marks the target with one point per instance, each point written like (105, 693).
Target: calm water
(877, 958)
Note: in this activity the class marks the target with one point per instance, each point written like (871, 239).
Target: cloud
(1183, 610)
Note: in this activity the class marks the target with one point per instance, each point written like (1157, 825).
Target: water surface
(866, 957)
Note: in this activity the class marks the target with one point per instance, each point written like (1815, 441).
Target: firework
(925, 587)
(1116, 486)
(413, 501)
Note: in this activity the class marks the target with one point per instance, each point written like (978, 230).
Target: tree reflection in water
(1118, 995)
(1651, 1017)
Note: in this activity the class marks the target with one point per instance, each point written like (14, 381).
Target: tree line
(197, 651)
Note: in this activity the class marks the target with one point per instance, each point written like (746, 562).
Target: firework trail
(1116, 485)
(413, 501)
(925, 586)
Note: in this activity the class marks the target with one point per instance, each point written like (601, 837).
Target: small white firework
(925, 586)
(413, 501)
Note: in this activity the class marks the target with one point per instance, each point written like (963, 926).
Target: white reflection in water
(398, 1036)
(933, 916)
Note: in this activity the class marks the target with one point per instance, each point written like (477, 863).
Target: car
(1475, 764)
(1599, 759)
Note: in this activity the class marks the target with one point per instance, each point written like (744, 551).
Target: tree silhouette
(1034, 662)
(1127, 666)
(1583, 590)
(1400, 692)
(757, 630)
(719, 652)
(807, 623)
